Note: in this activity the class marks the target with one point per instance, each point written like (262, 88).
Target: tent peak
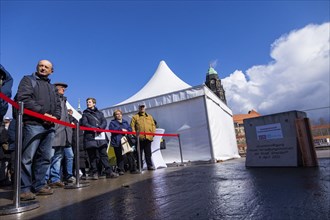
(163, 81)
(163, 64)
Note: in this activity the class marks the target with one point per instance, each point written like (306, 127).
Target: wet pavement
(225, 190)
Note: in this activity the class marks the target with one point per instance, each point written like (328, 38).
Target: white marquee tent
(204, 122)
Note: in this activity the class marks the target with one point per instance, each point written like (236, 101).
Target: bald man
(38, 95)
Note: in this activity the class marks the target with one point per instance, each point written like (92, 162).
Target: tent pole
(180, 150)
(78, 184)
(139, 150)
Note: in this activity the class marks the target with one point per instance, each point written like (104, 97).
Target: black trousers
(145, 146)
(129, 157)
(100, 153)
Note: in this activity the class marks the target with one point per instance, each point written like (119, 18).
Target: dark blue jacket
(41, 98)
(93, 118)
(116, 125)
(5, 88)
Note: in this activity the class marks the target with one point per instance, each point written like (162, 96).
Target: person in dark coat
(120, 124)
(96, 142)
(6, 84)
(12, 142)
(12, 145)
(38, 95)
(62, 149)
(4, 153)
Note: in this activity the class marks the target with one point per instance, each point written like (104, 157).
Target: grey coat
(63, 134)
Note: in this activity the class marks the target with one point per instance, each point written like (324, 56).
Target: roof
(240, 117)
(211, 71)
(163, 81)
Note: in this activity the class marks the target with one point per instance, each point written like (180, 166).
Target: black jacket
(5, 87)
(93, 119)
(41, 98)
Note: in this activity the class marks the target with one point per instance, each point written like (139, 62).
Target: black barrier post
(76, 157)
(180, 150)
(139, 151)
(18, 207)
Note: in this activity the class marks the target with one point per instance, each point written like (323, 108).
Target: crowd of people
(48, 148)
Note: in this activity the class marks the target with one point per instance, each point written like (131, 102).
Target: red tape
(125, 132)
(38, 115)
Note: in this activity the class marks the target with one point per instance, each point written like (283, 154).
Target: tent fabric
(223, 135)
(202, 120)
(163, 81)
(157, 158)
(75, 113)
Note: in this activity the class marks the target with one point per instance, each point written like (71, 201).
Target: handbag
(125, 146)
(101, 135)
(131, 139)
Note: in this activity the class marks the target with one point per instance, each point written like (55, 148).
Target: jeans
(68, 162)
(36, 156)
(54, 172)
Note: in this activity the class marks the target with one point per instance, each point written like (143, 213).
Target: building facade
(214, 83)
(239, 129)
(321, 135)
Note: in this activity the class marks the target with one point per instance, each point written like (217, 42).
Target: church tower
(214, 83)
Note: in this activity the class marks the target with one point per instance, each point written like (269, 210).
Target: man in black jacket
(38, 95)
(6, 84)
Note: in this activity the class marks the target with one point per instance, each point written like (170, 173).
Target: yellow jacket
(143, 122)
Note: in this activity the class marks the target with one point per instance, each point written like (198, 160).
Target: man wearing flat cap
(62, 146)
(144, 122)
(61, 84)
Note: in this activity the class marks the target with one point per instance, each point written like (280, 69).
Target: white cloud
(298, 78)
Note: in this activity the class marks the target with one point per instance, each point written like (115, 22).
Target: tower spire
(79, 109)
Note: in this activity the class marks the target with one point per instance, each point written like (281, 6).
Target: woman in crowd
(120, 124)
(96, 142)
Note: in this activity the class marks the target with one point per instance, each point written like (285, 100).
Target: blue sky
(110, 49)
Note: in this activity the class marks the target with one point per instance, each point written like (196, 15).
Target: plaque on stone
(272, 140)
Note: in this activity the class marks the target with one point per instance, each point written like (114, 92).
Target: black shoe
(83, 177)
(151, 168)
(134, 172)
(72, 179)
(95, 176)
(112, 175)
(102, 176)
